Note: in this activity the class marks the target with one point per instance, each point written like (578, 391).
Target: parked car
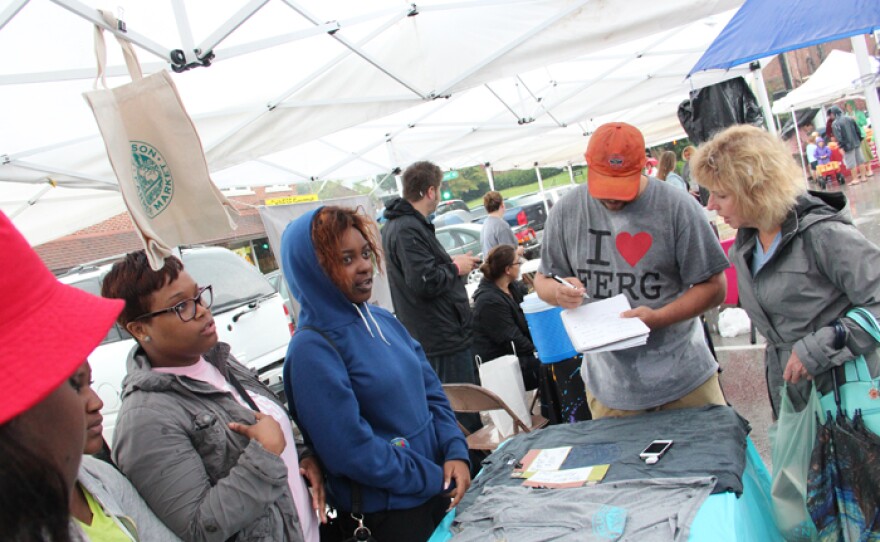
(451, 205)
(527, 210)
(248, 313)
(478, 214)
(449, 218)
(464, 238)
(555, 194)
(460, 238)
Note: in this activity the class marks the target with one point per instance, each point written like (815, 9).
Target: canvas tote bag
(158, 158)
(503, 377)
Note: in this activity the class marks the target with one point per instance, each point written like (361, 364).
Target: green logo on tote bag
(155, 187)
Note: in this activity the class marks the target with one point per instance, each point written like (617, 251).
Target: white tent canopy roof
(835, 78)
(292, 97)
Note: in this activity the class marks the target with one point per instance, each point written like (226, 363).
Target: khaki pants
(708, 393)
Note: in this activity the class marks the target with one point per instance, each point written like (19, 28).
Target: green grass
(549, 182)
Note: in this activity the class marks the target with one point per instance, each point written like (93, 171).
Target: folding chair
(472, 398)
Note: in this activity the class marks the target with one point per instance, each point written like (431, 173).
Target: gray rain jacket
(206, 482)
(822, 268)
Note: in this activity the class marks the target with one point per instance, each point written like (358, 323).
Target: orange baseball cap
(616, 157)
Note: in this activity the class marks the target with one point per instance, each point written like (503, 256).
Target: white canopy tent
(291, 97)
(836, 78)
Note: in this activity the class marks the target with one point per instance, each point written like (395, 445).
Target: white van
(247, 310)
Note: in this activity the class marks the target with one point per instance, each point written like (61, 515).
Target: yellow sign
(287, 200)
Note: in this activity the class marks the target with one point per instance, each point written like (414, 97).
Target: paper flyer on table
(541, 460)
(597, 326)
(556, 479)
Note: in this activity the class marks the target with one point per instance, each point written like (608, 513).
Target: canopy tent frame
(547, 103)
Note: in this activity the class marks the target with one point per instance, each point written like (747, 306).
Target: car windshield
(93, 286)
(525, 200)
(235, 281)
(478, 212)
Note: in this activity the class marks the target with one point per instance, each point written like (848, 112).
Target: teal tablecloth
(723, 517)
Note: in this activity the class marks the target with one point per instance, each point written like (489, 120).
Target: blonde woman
(667, 171)
(801, 264)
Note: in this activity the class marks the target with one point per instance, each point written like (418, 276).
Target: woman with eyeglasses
(499, 324)
(206, 444)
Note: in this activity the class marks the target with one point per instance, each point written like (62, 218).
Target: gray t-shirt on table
(652, 251)
(496, 231)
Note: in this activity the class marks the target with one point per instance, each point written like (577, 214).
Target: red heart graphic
(633, 247)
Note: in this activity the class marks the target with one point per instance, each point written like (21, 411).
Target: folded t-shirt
(708, 442)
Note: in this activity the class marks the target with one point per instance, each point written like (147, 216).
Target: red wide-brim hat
(47, 329)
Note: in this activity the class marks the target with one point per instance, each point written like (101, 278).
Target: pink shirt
(205, 372)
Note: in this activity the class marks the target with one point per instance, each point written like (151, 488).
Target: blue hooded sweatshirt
(371, 405)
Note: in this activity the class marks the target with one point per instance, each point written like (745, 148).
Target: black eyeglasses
(186, 309)
(518, 262)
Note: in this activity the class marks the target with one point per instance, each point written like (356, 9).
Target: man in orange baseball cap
(616, 158)
(629, 233)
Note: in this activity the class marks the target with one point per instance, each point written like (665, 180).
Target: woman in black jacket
(499, 324)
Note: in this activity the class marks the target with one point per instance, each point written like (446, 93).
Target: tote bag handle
(131, 61)
(866, 320)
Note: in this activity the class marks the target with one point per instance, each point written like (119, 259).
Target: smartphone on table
(655, 451)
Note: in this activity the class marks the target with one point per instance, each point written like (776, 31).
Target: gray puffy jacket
(206, 482)
(822, 268)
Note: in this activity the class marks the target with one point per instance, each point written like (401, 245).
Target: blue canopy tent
(763, 28)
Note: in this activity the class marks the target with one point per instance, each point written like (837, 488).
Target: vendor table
(723, 517)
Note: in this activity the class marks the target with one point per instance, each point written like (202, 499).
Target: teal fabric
(722, 518)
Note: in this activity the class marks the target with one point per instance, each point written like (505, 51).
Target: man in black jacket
(427, 285)
(849, 136)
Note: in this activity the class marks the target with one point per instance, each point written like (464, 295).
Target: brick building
(116, 235)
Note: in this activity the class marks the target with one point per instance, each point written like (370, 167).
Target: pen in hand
(565, 283)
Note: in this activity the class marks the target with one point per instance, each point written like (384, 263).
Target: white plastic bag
(503, 377)
(733, 321)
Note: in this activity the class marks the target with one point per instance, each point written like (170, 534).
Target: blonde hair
(753, 167)
(688, 152)
(667, 165)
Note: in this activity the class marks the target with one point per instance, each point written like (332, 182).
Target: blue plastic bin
(548, 334)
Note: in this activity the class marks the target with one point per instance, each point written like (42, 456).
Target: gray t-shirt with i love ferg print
(652, 251)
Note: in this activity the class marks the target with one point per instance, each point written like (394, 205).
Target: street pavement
(742, 377)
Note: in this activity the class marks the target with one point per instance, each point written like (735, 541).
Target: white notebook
(597, 326)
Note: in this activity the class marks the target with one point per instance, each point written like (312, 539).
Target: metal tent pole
(541, 187)
(491, 175)
(871, 99)
(763, 99)
(797, 135)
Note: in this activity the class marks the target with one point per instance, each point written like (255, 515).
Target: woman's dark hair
(34, 499)
(133, 280)
(498, 261)
(328, 227)
(418, 177)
